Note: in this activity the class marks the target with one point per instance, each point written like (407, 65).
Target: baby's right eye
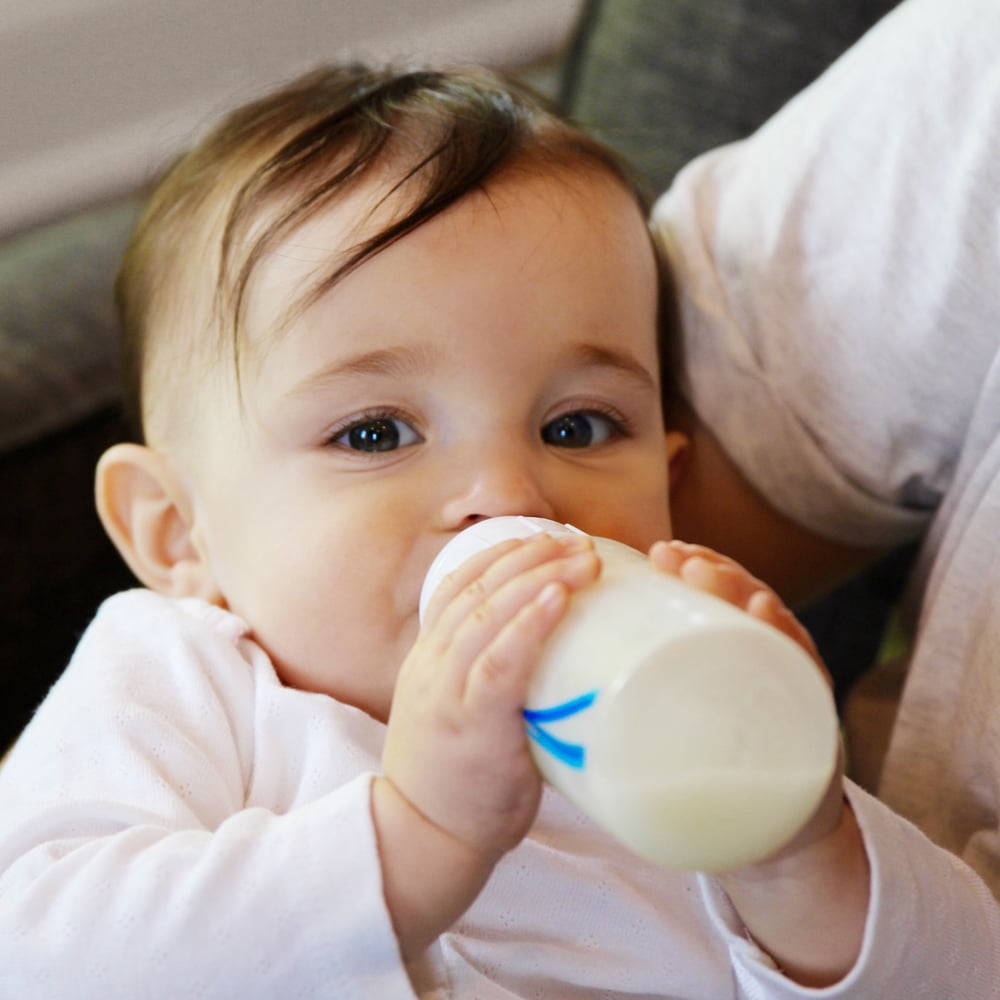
(375, 433)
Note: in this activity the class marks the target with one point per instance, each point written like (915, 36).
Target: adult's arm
(837, 275)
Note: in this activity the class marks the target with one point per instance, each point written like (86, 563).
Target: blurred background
(98, 94)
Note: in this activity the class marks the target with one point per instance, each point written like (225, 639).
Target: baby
(365, 312)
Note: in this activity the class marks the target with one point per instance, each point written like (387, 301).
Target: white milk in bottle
(701, 737)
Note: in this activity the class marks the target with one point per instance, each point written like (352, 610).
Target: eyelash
(611, 413)
(367, 417)
(619, 424)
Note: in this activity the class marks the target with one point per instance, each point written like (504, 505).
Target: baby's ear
(678, 450)
(146, 511)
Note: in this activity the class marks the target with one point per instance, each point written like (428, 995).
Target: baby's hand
(713, 573)
(459, 777)
(716, 574)
(777, 898)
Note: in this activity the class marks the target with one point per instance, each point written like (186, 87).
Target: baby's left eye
(581, 429)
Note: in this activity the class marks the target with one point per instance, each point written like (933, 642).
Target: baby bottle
(699, 736)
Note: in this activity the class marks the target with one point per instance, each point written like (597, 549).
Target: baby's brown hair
(275, 163)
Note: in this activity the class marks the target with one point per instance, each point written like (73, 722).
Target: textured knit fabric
(176, 823)
(839, 274)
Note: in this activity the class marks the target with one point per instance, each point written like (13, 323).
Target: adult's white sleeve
(838, 275)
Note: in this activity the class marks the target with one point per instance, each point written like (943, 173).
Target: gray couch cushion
(58, 411)
(58, 339)
(665, 80)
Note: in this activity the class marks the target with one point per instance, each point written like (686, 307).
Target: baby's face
(501, 359)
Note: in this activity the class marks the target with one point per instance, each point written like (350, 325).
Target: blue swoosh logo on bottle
(572, 754)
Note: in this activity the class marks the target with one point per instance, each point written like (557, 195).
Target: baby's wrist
(467, 851)
(807, 905)
(430, 876)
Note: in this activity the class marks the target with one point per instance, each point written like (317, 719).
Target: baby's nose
(503, 483)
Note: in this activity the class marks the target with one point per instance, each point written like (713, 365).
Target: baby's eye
(581, 429)
(376, 434)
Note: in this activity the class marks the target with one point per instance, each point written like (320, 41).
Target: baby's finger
(667, 557)
(479, 624)
(730, 583)
(671, 556)
(706, 570)
(501, 671)
(766, 606)
(476, 581)
(675, 553)
(717, 574)
(485, 571)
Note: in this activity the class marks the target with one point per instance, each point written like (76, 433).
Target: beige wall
(96, 94)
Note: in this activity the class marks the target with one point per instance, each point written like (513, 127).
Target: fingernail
(574, 542)
(552, 595)
(581, 560)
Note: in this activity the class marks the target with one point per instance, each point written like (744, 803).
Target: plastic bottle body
(699, 736)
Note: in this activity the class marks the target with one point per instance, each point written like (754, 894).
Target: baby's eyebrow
(403, 361)
(390, 362)
(599, 356)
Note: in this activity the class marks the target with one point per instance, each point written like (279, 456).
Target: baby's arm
(175, 822)
(460, 788)
(807, 905)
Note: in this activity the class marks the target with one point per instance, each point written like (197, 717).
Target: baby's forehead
(293, 269)
(289, 270)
